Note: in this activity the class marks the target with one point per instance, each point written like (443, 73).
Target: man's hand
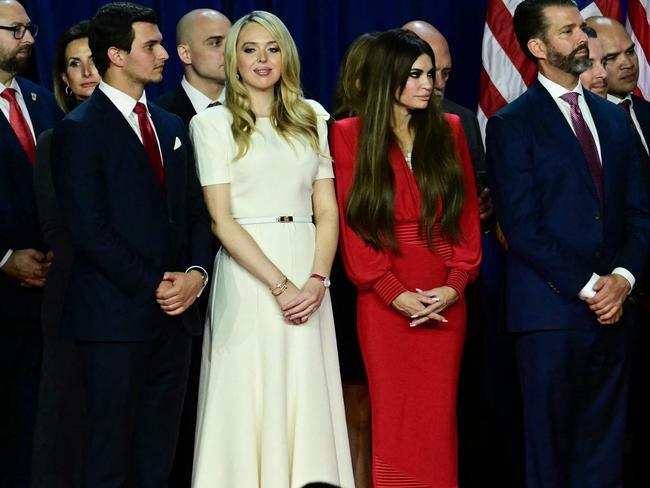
(177, 291)
(611, 292)
(29, 266)
(485, 208)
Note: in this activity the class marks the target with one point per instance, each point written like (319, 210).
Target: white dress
(270, 411)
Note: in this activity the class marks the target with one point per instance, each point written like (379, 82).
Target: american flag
(506, 72)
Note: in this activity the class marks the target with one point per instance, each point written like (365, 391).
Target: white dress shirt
(556, 91)
(198, 99)
(4, 107)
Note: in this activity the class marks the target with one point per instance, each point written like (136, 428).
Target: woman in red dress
(411, 242)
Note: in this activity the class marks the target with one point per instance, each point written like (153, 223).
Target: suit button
(171, 221)
(597, 216)
(598, 254)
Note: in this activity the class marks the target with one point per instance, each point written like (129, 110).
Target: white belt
(283, 219)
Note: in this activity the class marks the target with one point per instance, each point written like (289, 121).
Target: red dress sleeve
(466, 257)
(367, 267)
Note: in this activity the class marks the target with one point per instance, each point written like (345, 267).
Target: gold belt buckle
(285, 218)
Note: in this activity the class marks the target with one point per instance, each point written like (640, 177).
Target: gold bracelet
(280, 287)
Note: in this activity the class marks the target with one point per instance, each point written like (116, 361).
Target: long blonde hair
(291, 115)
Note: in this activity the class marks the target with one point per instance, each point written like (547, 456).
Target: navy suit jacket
(177, 102)
(126, 232)
(19, 228)
(547, 205)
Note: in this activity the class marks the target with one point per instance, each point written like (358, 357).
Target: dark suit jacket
(126, 232)
(177, 102)
(472, 132)
(56, 235)
(641, 109)
(19, 227)
(548, 209)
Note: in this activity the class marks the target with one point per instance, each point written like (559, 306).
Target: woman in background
(270, 404)
(348, 101)
(410, 242)
(74, 73)
(60, 420)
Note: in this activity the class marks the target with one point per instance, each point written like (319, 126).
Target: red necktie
(19, 124)
(586, 140)
(150, 143)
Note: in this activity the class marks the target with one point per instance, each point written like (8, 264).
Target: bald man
(468, 119)
(200, 39)
(622, 65)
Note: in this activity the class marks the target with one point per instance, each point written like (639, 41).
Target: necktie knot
(571, 98)
(9, 94)
(140, 109)
(214, 104)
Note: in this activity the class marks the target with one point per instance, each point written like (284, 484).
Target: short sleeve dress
(270, 408)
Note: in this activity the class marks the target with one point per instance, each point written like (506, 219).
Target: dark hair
(66, 101)
(371, 202)
(590, 31)
(112, 26)
(348, 96)
(530, 21)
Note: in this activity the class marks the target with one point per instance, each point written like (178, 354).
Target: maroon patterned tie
(19, 124)
(586, 140)
(150, 143)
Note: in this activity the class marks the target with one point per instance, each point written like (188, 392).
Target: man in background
(622, 65)
(200, 39)
(594, 78)
(26, 111)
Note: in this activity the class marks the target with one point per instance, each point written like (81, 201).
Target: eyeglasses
(19, 30)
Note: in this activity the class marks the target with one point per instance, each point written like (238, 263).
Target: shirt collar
(555, 90)
(198, 99)
(14, 84)
(123, 102)
(617, 100)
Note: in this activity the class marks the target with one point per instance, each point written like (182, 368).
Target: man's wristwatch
(323, 279)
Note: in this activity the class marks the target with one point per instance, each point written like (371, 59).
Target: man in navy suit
(26, 110)
(200, 40)
(124, 176)
(567, 192)
(622, 62)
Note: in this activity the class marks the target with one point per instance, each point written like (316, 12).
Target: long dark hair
(371, 202)
(66, 101)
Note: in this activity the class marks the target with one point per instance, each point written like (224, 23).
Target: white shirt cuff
(206, 277)
(588, 290)
(6, 257)
(627, 275)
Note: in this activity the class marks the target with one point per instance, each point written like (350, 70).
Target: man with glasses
(27, 110)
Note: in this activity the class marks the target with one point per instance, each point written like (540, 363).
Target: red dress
(412, 372)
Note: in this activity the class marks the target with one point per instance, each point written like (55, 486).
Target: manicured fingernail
(435, 299)
(414, 316)
(445, 320)
(412, 324)
(418, 290)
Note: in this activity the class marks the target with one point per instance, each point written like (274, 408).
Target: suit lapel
(605, 130)
(184, 105)
(34, 103)
(560, 133)
(167, 139)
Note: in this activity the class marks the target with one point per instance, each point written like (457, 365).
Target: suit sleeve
(510, 162)
(367, 267)
(634, 251)
(79, 185)
(466, 256)
(200, 252)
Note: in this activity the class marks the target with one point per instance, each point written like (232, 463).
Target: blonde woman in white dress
(270, 405)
